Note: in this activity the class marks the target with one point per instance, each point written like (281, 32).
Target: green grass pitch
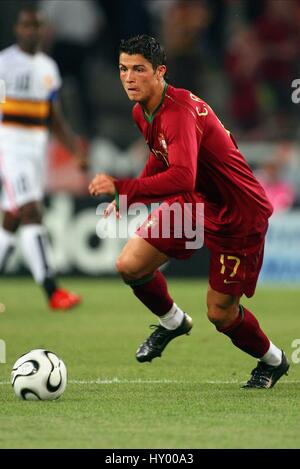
(189, 398)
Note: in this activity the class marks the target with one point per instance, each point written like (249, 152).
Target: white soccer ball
(39, 375)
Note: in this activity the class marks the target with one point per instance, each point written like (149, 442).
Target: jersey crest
(161, 153)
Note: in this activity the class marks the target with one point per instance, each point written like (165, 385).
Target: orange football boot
(63, 299)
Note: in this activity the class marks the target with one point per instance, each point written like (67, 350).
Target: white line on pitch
(160, 381)
(149, 381)
(123, 381)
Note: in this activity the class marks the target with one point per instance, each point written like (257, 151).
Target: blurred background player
(193, 159)
(30, 110)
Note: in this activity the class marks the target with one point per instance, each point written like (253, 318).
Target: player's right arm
(183, 137)
(151, 167)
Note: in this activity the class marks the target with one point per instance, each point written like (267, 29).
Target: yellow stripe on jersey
(36, 109)
(24, 126)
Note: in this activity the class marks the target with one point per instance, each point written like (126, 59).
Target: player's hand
(112, 207)
(81, 159)
(102, 184)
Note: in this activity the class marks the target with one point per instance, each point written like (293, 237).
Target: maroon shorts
(162, 231)
(235, 271)
(235, 262)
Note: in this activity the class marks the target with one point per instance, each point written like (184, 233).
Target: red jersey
(194, 156)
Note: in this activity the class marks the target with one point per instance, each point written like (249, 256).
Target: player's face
(139, 79)
(28, 30)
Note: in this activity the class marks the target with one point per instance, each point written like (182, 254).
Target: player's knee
(220, 315)
(215, 314)
(30, 214)
(121, 265)
(10, 222)
(127, 269)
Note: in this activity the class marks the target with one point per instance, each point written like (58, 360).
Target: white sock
(273, 356)
(36, 251)
(173, 318)
(7, 244)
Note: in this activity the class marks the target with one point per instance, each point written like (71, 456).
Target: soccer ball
(39, 375)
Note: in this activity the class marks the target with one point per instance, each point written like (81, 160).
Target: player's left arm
(63, 132)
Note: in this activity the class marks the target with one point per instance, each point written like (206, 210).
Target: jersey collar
(150, 118)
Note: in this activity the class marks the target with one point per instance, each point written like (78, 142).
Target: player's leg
(21, 171)
(36, 250)
(10, 219)
(230, 281)
(238, 323)
(138, 265)
(7, 237)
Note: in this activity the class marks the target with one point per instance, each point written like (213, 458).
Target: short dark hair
(147, 46)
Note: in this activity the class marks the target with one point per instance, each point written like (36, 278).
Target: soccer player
(193, 159)
(32, 81)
